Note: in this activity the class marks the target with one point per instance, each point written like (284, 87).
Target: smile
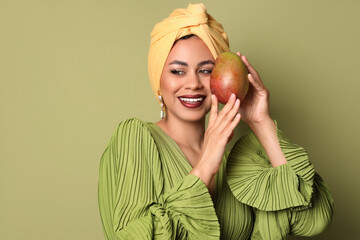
(192, 101)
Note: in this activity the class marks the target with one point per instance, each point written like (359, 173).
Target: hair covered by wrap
(181, 22)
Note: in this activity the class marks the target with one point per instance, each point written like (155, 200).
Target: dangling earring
(161, 106)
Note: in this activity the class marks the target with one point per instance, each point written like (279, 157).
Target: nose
(193, 82)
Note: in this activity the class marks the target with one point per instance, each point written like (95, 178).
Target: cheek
(206, 84)
(169, 85)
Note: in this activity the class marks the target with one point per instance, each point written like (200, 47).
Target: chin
(193, 116)
(189, 114)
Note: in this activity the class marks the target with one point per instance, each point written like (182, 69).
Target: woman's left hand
(254, 108)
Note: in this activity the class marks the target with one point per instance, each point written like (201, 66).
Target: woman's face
(185, 80)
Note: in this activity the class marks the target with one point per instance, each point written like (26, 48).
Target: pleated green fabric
(145, 191)
(255, 182)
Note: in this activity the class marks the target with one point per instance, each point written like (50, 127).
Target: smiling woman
(173, 179)
(185, 81)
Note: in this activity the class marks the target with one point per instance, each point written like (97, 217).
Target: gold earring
(161, 106)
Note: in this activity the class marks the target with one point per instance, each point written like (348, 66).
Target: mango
(228, 76)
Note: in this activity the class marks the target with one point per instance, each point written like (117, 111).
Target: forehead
(190, 50)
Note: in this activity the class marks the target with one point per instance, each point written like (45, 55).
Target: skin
(187, 72)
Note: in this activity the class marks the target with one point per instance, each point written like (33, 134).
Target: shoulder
(132, 137)
(248, 147)
(131, 126)
(133, 131)
(132, 122)
(131, 146)
(248, 140)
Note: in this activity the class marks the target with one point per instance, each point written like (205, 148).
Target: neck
(185, 133)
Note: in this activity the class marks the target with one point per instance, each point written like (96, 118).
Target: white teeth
(192, 100)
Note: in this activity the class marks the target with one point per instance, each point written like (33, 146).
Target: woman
(174, 180)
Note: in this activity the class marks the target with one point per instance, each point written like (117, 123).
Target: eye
(177, 72)
(205, 71)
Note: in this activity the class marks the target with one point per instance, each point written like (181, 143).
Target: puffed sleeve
(131, 200)
(286, 199)
(255, 182)
(306, 222)
(314, 220)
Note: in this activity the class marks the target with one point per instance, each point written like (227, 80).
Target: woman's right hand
(218, 133)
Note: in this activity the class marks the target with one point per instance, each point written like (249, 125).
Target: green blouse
(145, 191)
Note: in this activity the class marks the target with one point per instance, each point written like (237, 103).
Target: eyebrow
(186, 65)
(205, 62)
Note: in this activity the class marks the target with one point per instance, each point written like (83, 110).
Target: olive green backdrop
(71, 70)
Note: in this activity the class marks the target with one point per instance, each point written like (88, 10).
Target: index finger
(249, 66)
(214, 109)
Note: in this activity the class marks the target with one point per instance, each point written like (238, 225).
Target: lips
(192, 101)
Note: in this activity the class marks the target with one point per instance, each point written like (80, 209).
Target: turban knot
(181, 22)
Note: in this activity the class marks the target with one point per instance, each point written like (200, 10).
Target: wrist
(265, 122)
(266, 132)
(204, 172)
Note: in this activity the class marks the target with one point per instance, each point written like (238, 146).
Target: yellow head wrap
(192, 20)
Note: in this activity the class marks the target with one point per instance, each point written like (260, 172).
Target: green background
(71, 70)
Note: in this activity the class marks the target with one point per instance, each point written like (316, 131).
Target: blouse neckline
(172, 141)
(177, 147)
